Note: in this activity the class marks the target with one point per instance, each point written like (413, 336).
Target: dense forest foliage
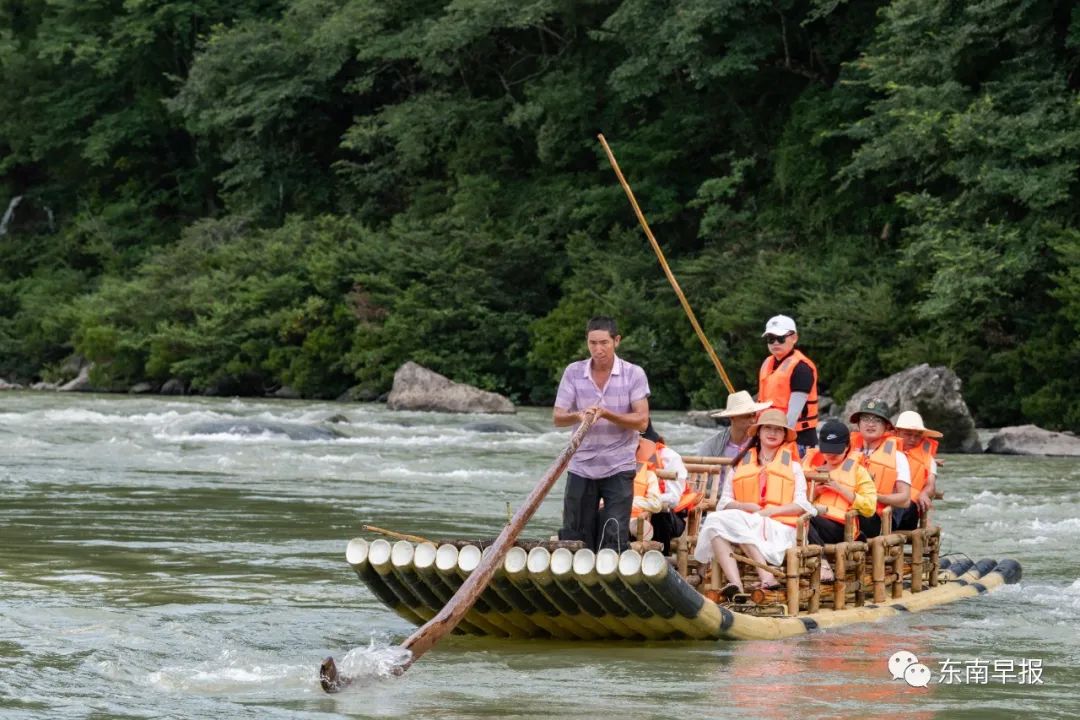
(258, 193)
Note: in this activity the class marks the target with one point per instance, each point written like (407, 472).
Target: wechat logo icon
(903, 665)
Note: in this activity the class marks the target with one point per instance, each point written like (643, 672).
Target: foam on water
(229, 673)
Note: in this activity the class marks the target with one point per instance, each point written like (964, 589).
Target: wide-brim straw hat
(776, 418)
(740, 403)
(911, 420)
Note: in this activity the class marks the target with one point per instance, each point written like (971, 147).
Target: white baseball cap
(779, 325)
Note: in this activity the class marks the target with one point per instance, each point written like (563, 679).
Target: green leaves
(310, 193)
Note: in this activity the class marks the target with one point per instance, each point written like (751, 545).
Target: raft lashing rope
(584, 595)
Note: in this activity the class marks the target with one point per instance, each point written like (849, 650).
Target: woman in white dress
(761, 502)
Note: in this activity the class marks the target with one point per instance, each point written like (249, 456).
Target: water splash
(378, 661)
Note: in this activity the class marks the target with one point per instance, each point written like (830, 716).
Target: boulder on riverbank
(257, 428)
(174, 386)
(5, 385)
(1033, 440)
(81, 382)
(417, 388)
(702, 418)
(497, 426)
(933, 392)
(286, 392)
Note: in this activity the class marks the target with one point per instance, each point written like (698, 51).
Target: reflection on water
(155, 563)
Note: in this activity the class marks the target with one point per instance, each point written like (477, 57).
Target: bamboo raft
(563, 590)
(607, 595)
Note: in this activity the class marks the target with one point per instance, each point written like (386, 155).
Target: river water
(155, 563)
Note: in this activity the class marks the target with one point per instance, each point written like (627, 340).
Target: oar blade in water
(329, 678)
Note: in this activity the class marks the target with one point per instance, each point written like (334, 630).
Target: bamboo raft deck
(633, 596)
(563, 590)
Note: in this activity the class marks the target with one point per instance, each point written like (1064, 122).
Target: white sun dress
(739, 527)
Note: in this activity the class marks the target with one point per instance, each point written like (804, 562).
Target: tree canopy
(261, 193)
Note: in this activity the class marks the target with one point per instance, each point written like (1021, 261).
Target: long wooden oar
(462, 601)
(664, 265)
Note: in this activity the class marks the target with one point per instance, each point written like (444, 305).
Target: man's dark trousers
(598, 528)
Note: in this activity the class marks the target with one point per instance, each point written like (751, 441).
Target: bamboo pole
(706, 460)
(664, 265)
(934, 538)
(916, 560)
(877, 569)
(451, 614)
(898, 571)
(396, 535)
(792, 571)
(840, 576)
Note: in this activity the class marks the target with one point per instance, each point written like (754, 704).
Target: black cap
(833, 437)
(650, 433)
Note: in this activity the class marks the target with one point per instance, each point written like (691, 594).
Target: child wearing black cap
(849, 486)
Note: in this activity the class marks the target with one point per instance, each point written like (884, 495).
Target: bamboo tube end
(469, 558)
(629, 563)
(446, 558)
(654, 564)
(356, 552)
(584, 561)
(562, 562)
(539, 560)
(379, 551)
(424, 556)
(607, 562)
(515, 561)
(401, 554)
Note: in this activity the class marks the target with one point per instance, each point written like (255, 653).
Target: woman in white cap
(740, 413)
(759, 506)
(920, 446)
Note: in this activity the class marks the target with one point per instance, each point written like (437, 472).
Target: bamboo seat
(704, 478)
(879, 566)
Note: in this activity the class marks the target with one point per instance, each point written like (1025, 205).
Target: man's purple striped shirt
(608, 448)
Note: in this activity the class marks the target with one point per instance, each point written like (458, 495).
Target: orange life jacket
(779, 486)
(836, 504)
(774, 383)
(649, 460)
(815, 460)
(920, 459)
(648, 457)
(881, 464)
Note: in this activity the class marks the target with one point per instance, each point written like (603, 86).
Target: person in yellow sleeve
(850, 486)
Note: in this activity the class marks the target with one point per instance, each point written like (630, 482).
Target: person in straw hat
(740, 413)
(759, 505)
(920, 446)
